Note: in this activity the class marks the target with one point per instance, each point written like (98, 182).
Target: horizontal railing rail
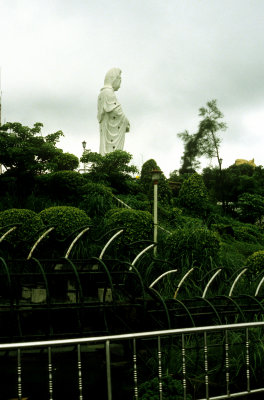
(160, 341)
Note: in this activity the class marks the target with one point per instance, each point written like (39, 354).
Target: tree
(65, 162)
(206, 141)
(189, 158)
(26, 153)
(193, 195)
(24, 150)
(207, 135)
(251, 207)
(164, 191)
(112, 169)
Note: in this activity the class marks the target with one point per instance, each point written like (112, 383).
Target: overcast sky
(175, 55)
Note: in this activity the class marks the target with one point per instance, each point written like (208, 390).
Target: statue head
(113, 78)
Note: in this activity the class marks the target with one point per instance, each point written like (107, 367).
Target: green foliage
(65, 219)
(164, 191)
(138, 224)
(193, 195)
(247, 233)
(251, 207)
(97, 199)
(190, 245)
(29, 225)
(64, 185)
(137, 202)
(25, 150)
(26, 153)
(172, 389)
(65, 162)
(256, 262)
(112, 169)
(189, 161)
(234, 253)
(145, 176)
(228, 184)
(223, 229)
(206, 141)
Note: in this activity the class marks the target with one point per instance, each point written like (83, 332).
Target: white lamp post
(156, 174)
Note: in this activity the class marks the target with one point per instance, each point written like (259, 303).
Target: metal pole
(108, 370)
(155, 216)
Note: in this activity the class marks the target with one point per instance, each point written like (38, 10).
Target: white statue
(112, 120)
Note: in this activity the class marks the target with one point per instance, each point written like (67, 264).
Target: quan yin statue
(113, 122)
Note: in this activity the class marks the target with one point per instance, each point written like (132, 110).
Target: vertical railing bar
(108, 370)
(227, 364)
(19, 375)
(160, 368)
(247, 360)
(135, 369)
(50, 373)
(79, 372)
(206, 366)
(184, 382)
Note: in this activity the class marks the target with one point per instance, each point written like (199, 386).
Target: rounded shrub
(193, 195)
(255, 262)
(96, 200)
(193, 245)
(164, 191)
(29, 225)
(65, 219)
(138, 224)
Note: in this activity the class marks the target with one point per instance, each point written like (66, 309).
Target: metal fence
(212, 362)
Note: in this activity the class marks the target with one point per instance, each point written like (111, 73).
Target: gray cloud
(175, 56)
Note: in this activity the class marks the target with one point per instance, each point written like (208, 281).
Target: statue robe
(112, 120)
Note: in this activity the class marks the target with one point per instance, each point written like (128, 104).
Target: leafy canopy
(26, 150)
(206, 141)
(112, 169)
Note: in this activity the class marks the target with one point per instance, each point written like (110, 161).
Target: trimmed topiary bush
(193, 195)
(66, 219)
(164, 191)
(29, 226)
(255, 262)
(138, 224)
(192, 245)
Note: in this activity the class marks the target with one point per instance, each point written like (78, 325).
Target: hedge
(65, 219)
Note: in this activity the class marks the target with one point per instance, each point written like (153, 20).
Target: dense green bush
(247, 233)
(256, 261)
(65, 185)
(193, 195)
(192, 245)
(251, 207)
(137, 202)
(96, 199)
(113, 169)
(164, 191)
(223, 229)
(29, 225)
(138, 224)
(65, 219)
